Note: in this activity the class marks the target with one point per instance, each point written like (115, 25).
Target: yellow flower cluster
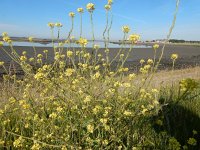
(80, 10)
(6, 38)
(58, 25)
(155, 46)
(83, 42)
(78, 101)
(51, 25)
(72, 14)
(69, 54)
(126, 29)
(110, 2)
(149, 61)
(69, 72)
(174, 56)
(134, 38)
(90, 7)
(1, 63)
(107, 7)
(30, 39)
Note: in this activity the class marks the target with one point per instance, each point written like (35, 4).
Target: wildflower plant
(78, 101)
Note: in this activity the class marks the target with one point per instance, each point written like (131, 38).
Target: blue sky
(149, 18)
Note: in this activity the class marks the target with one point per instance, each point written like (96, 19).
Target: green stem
(110, 28)
(130, 49)
(122, 46)
(169, 34)
(92, 26)
(105, 41)
(81, 26)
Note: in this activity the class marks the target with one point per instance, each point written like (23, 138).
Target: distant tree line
(182, 41)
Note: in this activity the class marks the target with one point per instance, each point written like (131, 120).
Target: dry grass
(169, 77)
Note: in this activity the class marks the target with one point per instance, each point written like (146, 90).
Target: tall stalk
(163, 48)
(109, 28)
(81, 25)
(105, 41)
(169, 34)
(92, 26)
(93, 38)
(72, 28)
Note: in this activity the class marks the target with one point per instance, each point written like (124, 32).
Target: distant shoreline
(48, 41)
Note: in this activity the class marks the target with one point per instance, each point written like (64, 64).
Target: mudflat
(188, 55)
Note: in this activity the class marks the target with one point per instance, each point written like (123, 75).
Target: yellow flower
(134, 38)
(147, 67)
(9, 41)
(1, 44)
(126, 29)
(87, 55)
(30, 39)
(125, 69)
(23, 58)
(99, 55)
(83, 42)
(35, 146)
(45, 51)
(97, 67)
(90, 7)
(69, 72)
(87, 99)
(96, 47)
(121, 56)
(154, 91)
(149, 61)
(96, 109)
(155, 46)
(174, 56)
(51, 25)
(84, 66)
(127, 113)
(72, 14)
(18, 142)
(39, 55)
(63, 148)
(58, 25)
(26, 125)
(39, 75)
(105, 142)
(80, 10)
(142, 61)
(6, 39)
(24, 53)
(96, 75)
(192, 141)
(1, 63)
(107, 7)
(144, 111)
(4, 34)
(131, 76)
(127, 85)
(110, 2)
(69, 54)
(53, 115)
(104, 120)
(90, 128)
(2, 142)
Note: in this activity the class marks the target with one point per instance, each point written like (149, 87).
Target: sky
(149, 18)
